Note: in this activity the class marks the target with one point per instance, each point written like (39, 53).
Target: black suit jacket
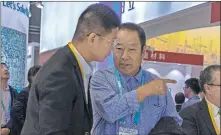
(196, 119)
(167, 126)
(56, 103)
(18, 112)
(13, 93)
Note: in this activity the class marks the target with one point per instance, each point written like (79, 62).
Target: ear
(91, 39)
(206, 88)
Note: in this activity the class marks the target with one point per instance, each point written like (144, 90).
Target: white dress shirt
(87, 69)
(216, 114)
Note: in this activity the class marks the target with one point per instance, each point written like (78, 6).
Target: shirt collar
(215, 109)
(87, 67)
(194, 97)
(138, 76)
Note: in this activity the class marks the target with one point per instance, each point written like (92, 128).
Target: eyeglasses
(112, 42)
(185, 87)
(5, 66)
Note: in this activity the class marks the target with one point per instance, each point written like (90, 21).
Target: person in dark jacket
(167, 126)
(179, 99)
(8, 96)
(18, 111)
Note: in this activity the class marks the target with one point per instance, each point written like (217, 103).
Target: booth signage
(215, 12)
(16, 6)
(171, 57)
(131, 6)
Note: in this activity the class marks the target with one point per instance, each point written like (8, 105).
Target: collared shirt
(109, 107)
(191, 101)
(216, 114)
(87, 69)
(6, 96)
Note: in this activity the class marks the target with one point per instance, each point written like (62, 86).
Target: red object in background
(215, 12)
(46, 55)
(171, 57)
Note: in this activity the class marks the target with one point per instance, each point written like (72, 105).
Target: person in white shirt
(203, 118)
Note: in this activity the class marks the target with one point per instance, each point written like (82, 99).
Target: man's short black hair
(138, 29)
(32, 72)
(179, 98)
(3, 63)
(206, 76)
(193, 83)
(97, 18)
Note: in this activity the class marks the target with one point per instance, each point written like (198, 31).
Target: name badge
(127, 131)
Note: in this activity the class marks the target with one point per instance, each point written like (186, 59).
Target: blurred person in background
(18, 112)
(179, 99)
(203, 118)
(8, 96)
(127, 99)
(59, 101)
(191, 91)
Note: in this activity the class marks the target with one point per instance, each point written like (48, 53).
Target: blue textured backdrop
(14, 50)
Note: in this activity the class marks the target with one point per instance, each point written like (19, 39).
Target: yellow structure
(202, 41)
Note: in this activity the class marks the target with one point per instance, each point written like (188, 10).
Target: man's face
(187, 91)
(213, 89)
(4, 72)
(101, 45)
(127, 53)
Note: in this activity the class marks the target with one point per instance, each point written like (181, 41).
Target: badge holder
(127, 131)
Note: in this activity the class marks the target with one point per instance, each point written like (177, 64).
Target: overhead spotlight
(39, 5)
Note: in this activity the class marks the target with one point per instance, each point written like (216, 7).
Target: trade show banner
(14, 32)
(215, 12)
(197, 41)
(171, 57)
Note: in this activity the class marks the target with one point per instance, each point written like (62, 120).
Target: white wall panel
(58, 23)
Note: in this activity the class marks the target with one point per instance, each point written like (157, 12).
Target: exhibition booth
(179, 31)
(55, 34)
(14, 38)
(170, 65)
(193, 37)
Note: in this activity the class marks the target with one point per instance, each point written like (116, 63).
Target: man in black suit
(18, 111)
(203, 118)
(59, 101)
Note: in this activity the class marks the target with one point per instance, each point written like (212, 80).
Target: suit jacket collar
(206, 116)
(73, 61)
(72, 58)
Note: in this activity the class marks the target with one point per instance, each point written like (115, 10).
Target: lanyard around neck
(71, 46)
(119, 83)
(212, 118)
(9, 105)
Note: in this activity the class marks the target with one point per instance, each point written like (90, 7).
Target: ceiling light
(39, 5)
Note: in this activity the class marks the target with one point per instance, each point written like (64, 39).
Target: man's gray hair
(206, 76)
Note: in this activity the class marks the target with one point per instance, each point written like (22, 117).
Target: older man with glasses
(127, 100)
(203, 118)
